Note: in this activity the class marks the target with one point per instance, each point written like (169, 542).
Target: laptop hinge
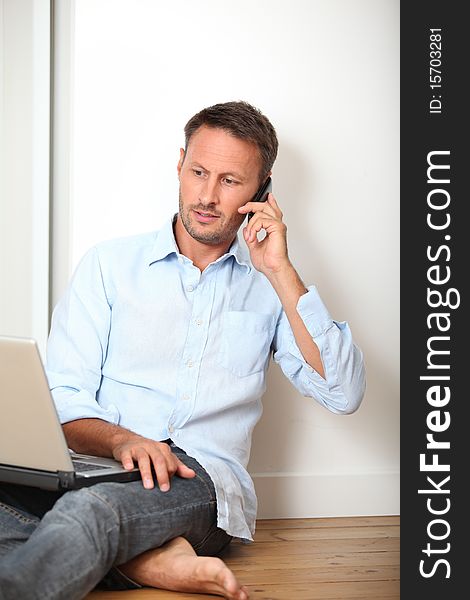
(67, 479)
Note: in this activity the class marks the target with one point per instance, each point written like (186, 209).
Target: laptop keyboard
(84, 466)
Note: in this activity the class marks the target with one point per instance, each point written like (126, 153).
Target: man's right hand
(100, 438)
(147, 454)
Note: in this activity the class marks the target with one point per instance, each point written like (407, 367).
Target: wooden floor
(307, 559)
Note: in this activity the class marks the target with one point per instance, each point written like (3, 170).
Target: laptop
(33, 449)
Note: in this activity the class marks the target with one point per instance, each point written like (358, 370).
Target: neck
(199, 253)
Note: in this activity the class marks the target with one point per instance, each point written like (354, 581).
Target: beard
(223, 231)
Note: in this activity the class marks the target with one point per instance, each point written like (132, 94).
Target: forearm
(289, 287)
(100, 438)
(95, 436)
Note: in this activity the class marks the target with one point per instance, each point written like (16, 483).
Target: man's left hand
(270, 254)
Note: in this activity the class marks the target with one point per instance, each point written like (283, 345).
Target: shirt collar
(240, 252)
(165, 244)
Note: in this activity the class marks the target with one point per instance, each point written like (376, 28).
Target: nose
(208, 193)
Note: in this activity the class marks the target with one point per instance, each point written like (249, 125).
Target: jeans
(55, 546)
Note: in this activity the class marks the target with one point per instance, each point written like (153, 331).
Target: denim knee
(96, 517)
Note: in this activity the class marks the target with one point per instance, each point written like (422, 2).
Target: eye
(229, 181)
(198, 172)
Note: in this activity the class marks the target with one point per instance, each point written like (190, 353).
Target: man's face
(218, 174)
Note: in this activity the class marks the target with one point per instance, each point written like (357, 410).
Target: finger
(161, 471)
(250, 242)
(250, 234)
(255, 207)
(175, 465)
(263, 210)
(168, 457)
(261, 220)
(145, 468)
(184, 471)
(126, 459)
(273, 203)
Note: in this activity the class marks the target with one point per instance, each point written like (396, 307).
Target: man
(157, 356)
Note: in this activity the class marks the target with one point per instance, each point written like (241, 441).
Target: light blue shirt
(144, 340)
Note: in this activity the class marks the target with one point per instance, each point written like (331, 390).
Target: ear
(181, 161)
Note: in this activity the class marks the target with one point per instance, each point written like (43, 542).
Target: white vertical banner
(41, 127)
(25, 50)
(62, 148)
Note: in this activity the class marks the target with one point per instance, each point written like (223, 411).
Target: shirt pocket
(246, 341)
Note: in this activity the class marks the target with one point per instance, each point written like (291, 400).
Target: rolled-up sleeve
(343, 388)
(77, 345)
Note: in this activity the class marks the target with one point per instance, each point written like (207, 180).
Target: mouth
(205, 217)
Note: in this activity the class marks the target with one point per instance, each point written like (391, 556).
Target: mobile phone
(262, 194)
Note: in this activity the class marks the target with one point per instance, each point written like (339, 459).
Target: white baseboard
(300, 495)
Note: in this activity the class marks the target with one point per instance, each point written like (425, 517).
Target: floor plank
(329, 522)
(312, 533)
(303, 547)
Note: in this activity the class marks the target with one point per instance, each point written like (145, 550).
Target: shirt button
(190, 288)
(190, 364)
(171, 428)
(185, 397)
(198, 322)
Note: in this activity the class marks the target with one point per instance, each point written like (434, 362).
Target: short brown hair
(243, 121)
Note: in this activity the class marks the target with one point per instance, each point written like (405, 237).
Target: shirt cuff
(313, 312)
(318, 322)
(73, 405)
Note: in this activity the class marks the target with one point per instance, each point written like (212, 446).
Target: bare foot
(175, 566)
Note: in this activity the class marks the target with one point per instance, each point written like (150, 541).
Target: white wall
(326, 73)
(24, 168)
